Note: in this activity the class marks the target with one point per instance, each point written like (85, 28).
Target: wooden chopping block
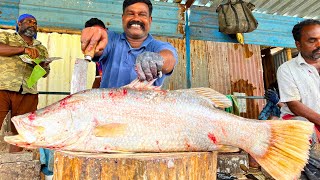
(164, 166)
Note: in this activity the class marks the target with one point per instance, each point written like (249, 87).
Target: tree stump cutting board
(137, 166)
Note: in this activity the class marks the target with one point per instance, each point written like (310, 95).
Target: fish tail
(287, 150)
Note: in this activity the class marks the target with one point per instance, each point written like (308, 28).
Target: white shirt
(299, 81)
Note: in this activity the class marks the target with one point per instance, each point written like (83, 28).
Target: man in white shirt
(298, 79)
(299, 85)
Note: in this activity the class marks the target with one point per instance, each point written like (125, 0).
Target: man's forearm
(6, 50)
(169, 61)
(300, 109)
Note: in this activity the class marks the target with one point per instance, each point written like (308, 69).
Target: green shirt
(15, 72)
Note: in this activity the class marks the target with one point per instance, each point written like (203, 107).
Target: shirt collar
(300, 60)
(145, 42)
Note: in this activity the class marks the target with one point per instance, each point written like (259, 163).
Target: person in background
(15, 95)
(272, 109)
(299, 83)
(96, 22)
(299, 79)
(132, 54)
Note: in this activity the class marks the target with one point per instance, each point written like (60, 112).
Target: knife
(79, 75)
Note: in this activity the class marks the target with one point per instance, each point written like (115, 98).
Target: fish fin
(219, 100)
(110, 130)
(287, 150)
(142, 85)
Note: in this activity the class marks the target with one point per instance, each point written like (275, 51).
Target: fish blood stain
(212, 138)
(125, 92)
(118, 93)
(63, 102)
(32, 116)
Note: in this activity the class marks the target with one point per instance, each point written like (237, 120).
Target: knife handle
(88, 55)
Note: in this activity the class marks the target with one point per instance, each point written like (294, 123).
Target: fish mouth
(18, 140)
(27, 132)
(25, 138)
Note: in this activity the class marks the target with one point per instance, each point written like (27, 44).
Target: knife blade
(79, 76)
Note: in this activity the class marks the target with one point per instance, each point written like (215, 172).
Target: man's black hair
(296, 31)
(127, 3)
(94, 22)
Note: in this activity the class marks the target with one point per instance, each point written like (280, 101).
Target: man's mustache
(316, 50)
(30, 29)
(136, 22)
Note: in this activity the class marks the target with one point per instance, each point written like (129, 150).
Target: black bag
(236, 17)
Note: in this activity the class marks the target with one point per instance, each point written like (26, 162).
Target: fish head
(47, 128)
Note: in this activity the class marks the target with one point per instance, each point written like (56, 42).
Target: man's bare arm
(300, 109)
(6, 50)
(168, 61)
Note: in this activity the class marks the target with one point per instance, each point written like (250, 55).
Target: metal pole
(188, 58)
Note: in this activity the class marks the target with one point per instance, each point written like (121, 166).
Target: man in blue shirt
(132, 54)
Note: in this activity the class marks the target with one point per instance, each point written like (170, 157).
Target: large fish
(135, 120)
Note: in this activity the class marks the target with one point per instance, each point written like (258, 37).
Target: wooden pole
(289, 54)
(137, 166)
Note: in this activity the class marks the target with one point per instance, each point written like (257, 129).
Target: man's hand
(149, 66)
(93, 37)
(272, 95)
(32, 52)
